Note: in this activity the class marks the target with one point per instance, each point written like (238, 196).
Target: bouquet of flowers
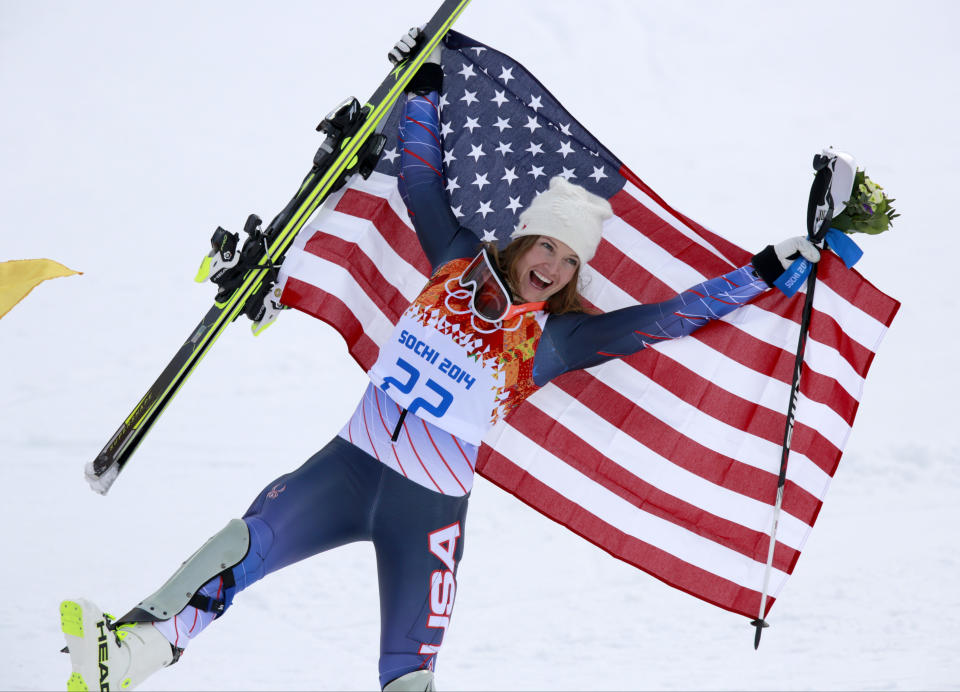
(868, 210)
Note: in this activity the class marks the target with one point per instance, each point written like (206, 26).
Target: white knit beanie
(569, 213)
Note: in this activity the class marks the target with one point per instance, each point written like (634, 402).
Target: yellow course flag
(18, 278)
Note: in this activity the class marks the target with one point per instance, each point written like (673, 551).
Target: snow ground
(128, 131)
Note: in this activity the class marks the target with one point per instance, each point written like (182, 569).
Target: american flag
(667, 459)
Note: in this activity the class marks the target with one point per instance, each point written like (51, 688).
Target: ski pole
(820, 207)
(760, 623)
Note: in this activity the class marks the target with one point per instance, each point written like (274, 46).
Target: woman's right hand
(408, 45)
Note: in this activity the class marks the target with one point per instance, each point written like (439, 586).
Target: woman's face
(544, 269)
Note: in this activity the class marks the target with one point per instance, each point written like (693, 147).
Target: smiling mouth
(539, 281)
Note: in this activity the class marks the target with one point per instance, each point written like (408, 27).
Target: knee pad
(218, 555)
(415, 681)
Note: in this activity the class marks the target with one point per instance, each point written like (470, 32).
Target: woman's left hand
(790, 249)
(773, 260)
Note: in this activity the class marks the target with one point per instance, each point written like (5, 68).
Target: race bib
(432, 374)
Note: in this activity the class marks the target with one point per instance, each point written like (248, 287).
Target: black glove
(773, 260)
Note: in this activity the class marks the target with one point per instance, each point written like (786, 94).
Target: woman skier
(488, 329)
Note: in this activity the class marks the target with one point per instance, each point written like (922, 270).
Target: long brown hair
(567, 299)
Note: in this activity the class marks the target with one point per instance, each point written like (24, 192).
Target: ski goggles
(489, 297)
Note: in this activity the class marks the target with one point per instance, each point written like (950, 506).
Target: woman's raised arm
(422, 182)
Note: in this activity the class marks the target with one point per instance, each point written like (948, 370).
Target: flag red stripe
(807, 441)
(361, 268)
(737, 255)
(776, 363)
(558, 440)
(726, 407)
(823, 328)
(395, 232)
(847, 284)
(850, 285)
(658, 563)
(674, 242)
(647, 288)
(327, 307)
(668, 442)
(629, 276)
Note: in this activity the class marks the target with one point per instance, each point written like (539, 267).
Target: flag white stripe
(784, 333)
(856, 323)
(394, 269)
(755, 387)
(661, 473)
(676, 274)
(693, 549)
(602, 292)
(385, 187)
(707, 430)
(296, 250)
(337, 281)
(648, 202)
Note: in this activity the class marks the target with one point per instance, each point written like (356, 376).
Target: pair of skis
(246, 277)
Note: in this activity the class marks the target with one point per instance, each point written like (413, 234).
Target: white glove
(408, 44)
(791, 248)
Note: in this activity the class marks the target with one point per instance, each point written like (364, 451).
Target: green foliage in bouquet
(868, 210)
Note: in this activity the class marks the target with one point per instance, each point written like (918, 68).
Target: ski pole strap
(795, 276)
(842, 245)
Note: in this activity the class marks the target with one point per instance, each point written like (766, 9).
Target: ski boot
(416, 681)
(105, 657)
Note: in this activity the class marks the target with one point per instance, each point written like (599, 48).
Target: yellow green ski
(350, 146)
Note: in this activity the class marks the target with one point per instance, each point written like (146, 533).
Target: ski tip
(759, 623)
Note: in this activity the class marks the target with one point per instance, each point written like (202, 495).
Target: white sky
(129, 131)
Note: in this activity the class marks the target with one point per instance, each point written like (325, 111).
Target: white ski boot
(416, 681)
(104, 658)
